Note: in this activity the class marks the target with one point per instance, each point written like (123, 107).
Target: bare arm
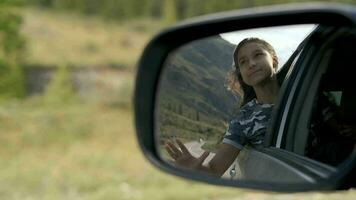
(222, 160)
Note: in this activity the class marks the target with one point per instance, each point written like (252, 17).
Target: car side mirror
(182, 102)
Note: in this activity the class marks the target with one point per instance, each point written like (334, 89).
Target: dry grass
(66, 38)
(80, 151)
(89, 151)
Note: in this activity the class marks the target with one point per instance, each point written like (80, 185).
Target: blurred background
(66, 83)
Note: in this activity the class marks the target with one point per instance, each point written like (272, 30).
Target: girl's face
(256, 64)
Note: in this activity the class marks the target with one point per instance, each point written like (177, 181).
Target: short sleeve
(249, 125)
(234, 134)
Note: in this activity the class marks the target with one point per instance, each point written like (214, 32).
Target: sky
(285, 39)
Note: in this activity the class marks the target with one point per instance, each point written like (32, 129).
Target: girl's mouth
(253, 72)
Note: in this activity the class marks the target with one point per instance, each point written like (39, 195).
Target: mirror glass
(197, 102)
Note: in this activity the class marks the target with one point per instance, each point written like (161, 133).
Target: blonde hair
(234, 80)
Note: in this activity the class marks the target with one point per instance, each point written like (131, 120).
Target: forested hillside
(193, 97)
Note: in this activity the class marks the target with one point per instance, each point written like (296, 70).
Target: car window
(333, 125)
(331, 128)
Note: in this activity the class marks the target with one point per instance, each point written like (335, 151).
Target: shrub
(12, 81)
(60, 89)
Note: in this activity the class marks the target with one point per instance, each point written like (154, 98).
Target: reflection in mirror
(332, 126)
(203, 120)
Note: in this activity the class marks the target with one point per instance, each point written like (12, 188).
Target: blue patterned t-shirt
(249, 125)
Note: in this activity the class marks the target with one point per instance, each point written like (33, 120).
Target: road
(195, 149)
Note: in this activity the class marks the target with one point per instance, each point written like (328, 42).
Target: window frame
(307, 74)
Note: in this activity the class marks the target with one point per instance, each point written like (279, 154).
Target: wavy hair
(234, 78)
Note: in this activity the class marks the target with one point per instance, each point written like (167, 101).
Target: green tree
(180, 109)
(12, 45)
(12, 81)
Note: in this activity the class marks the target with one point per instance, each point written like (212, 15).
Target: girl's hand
(183, 157)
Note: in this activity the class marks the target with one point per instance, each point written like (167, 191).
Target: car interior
(332, 128)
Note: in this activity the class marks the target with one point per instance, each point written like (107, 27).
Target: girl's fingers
(170, 152)
(174, 149)
(182, 147)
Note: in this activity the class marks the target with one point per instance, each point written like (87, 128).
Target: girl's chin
(254, 81)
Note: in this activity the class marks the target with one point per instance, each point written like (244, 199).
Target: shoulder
(244, 112)
(249, 107)
(254, 105)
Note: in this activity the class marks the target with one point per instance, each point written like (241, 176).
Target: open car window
(332, 128)
(327, 131)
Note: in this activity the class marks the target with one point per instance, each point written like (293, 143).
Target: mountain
(193, 85)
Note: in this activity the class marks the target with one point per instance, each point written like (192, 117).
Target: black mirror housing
(155, 54)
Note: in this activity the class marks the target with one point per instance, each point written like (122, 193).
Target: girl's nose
(252, 63)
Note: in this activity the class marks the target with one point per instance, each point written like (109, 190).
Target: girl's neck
(267, 93)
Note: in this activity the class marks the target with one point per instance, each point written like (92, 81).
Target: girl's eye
(258, 54)
(242, 62)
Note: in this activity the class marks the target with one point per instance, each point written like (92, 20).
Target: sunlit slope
(194, 99)
(55, 38)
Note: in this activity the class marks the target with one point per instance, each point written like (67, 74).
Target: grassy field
(57, 38)
(85, 149)
(88, 151)
(81, 151)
